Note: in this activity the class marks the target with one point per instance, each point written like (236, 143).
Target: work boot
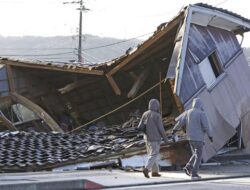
(145, 172)
(155, 174)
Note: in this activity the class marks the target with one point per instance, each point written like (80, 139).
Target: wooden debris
(139, 82)
(38, 110)
(72, 86)
(113, 84)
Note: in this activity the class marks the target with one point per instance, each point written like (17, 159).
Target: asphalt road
(228, 184)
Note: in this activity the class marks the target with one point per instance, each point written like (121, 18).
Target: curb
(177, 181)
(55, 185)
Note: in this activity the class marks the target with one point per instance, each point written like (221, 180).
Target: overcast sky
(110, 18)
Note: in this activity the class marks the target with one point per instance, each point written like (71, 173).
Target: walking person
(154, 134)
(197, 126)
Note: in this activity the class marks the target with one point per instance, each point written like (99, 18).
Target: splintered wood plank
(38, 110)
(113, 84)
(74, 85)
(138, 83)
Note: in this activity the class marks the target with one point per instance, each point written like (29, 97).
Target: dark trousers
(195, 160)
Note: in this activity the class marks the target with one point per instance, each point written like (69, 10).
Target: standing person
(154, 133)
(197, 125)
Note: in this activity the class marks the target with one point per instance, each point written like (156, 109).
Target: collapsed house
(196, 54)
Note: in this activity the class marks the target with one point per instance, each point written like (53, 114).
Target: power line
(97, 47)
(63, 53)
(90, 48)
(35, 49)
(91, 56)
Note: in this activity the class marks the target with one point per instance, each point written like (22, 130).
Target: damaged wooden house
(196, 54)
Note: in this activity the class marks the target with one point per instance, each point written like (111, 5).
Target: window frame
(215, 68)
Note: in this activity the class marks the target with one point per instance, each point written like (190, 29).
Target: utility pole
(81, 9)
(80, 59)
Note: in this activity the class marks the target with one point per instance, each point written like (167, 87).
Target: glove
(211, 139)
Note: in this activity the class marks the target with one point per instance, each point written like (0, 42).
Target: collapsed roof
(111, 92)
(87, 93)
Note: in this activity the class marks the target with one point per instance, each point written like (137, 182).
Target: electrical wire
(91, 56)
(63, 53)
(35, 49)
(85, 49)
(97, 47)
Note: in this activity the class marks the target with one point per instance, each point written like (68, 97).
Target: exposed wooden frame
(177, 102)
(38, 110)
(53, 68)
(146, 45)
(74, 85)
(156, 51)
(139, 82)
(113, 84)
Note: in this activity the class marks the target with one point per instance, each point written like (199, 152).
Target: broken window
(210, 69)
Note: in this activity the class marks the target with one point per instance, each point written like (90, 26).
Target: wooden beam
(46, 106)
(160, 91)
(146, 45)
(177, 102)
(160, 49)
(4, 99)
(10, 78)
(113, 84)
(72, 86)
(38, 110)
(139, 82)
(7, 122)
(81, 70)
(133, 75)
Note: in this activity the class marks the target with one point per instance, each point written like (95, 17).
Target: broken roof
(158, 48)
(33, 151)
(74, 68)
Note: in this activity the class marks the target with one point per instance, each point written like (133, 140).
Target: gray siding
(202, 41)
(224, 103)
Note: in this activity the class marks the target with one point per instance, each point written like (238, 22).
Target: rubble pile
(30, 151)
